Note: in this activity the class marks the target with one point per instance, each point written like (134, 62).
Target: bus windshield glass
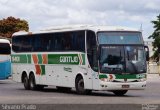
(112, 59)
(119, 38)
(122, 59)
(4, 48)
(121, 52)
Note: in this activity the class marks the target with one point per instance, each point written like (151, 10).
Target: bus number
(15, 59)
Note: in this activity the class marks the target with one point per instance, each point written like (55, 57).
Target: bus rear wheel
(26, 83)
(120, 92)
(32, 82)
(80, 86)
(33, 85)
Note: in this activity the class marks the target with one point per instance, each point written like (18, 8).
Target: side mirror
(146, 52)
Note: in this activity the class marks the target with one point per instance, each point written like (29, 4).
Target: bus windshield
(122, 59)
(4, 48)
(112, 59)
(121, 52)
(119, 38)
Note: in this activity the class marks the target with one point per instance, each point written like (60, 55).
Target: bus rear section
(5, 62)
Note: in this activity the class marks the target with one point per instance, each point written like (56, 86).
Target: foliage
(156, 37)
(10, 25)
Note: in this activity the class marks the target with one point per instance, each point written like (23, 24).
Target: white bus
(83, 57)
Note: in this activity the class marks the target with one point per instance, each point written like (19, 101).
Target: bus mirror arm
(146, 52)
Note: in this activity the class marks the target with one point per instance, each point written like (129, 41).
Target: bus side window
(67, 41)
(92, 50)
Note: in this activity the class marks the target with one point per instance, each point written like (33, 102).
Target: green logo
(68, 59)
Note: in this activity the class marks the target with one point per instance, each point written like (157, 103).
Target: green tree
(10, 25)
(156, 37)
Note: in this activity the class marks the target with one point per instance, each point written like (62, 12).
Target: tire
(120, 92)
(80, 86)
(26, 83)
(33, 85)
(32, 82)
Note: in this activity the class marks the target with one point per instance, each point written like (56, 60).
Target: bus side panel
(96, 81)
(50, 75)
(16, 73)
(70, 73)
(65, 75)
(59, 75)
(87, 76)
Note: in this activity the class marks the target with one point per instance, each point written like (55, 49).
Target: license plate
(125, 86)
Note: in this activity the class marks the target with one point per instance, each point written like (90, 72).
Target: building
(149, 44)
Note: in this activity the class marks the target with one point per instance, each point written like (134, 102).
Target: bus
(84, 57)
(5, 60)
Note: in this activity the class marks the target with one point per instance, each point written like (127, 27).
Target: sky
(46, 13)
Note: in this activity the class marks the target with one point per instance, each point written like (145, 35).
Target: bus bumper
(123, 86)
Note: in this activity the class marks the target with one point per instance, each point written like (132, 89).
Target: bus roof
(4, 41)
(78, 27)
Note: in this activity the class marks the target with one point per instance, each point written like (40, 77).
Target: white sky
(45, 13)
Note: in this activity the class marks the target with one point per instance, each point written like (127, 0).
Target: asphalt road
(14, 93)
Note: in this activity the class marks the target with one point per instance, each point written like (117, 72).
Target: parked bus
(82, 57)
(5, 61)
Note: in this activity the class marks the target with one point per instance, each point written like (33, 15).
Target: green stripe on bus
(71, 59)
(19, 59)
(130, 76)
(102, 76)
(29, 58)
(83, 57)
(42, 69)
(39, 59)
(125, 76)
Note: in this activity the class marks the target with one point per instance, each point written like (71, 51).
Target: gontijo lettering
(72, 59)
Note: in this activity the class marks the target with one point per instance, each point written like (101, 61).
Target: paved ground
(14, 93)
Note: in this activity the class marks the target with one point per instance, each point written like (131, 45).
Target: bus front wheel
(120, 92)
(80, 86)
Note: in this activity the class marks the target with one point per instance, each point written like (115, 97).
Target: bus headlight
(142, 79)
(104, 79)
